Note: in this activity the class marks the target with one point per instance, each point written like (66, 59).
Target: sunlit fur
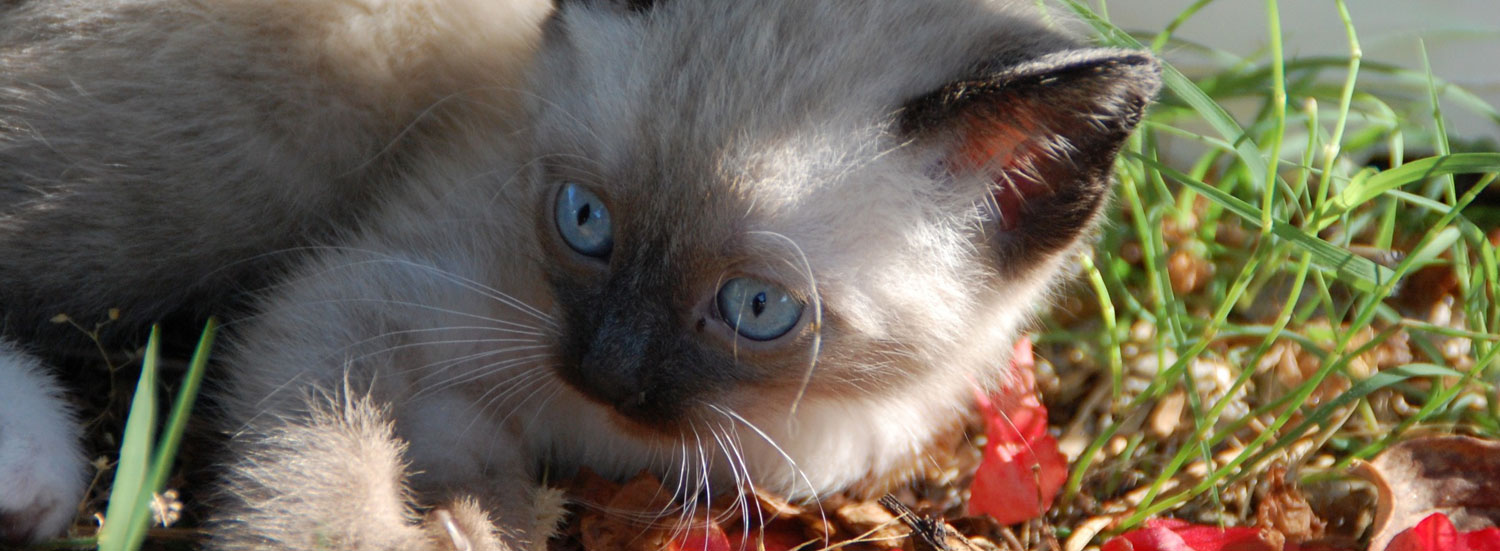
(413, 362)
(162, 155)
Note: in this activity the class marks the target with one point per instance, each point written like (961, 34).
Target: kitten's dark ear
(1045, 132)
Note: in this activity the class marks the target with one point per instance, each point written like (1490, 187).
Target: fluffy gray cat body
(166, 156)
(761, 242)
(155, 153)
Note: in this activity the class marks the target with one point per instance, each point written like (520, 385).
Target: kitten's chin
(582, 432)
(861, 447)
(639, 430)
(635, 427)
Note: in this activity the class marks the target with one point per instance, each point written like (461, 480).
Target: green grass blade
(1440, 137)
(1278, 117)
(1356, 392)
(171, 437)
(1165, 35)
(1253, 82)
(1438, 400)
(129, 508)
(1274, 333)
(1363, 190)
(143, 471)
(1346, 99)
(1359, 272)
(1111, 325)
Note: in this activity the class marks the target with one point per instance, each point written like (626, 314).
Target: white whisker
(389, 302)
(813, 492)
(739, 455)
(476, 373)
(738, 470)
(446, 275)
(422, 116)
(515, 384)
(534, 344)
(817, 323)
(556, 389)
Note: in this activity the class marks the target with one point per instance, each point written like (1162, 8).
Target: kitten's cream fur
(404, 388)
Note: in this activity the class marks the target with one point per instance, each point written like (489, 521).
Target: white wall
(1462, 37)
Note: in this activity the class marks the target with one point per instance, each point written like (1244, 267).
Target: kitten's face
(779, 221)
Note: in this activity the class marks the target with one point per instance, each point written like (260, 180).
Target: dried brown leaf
(1283, 508)
(1455, 475)
(625, 521)
(868, 517)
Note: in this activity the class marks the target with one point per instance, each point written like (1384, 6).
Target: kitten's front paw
(41, 466)
(462, 526)
(34, 513)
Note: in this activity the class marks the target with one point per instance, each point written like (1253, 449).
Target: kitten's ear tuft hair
(633, 6)
(1044, 133)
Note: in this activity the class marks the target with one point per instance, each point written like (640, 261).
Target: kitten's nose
(613, 377)
(630, 356)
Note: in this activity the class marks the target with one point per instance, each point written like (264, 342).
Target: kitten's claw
(456, 536)
(463, 526)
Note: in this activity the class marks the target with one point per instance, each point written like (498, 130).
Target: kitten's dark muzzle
(629, 361)
(630, 344)
(626, 384)
(614, 381)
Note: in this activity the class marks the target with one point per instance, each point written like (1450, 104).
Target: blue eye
(583, 221)
(758, 310)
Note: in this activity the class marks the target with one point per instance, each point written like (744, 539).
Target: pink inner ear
(1010, 147)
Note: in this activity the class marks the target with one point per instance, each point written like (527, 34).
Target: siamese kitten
(761, 243)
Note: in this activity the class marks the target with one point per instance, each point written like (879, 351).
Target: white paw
(42, 467)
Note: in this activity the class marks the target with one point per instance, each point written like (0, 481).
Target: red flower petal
(1177, 535)
(701, 537)
(1022, 469)
(1487, 539)
(772, 537)
(1436, 533)
(1156, 536)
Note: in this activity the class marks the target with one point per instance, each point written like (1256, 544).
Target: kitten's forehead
(693, 98)
(699, 76)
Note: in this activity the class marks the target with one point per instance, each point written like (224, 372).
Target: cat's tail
(42, 465)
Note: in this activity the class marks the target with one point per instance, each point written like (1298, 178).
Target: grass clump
(1293, 294)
